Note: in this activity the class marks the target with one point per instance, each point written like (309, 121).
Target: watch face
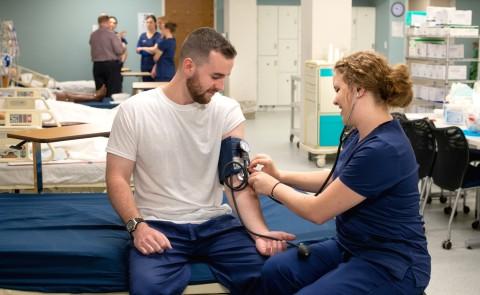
(398, 9)
(130, 225)
(244, 146)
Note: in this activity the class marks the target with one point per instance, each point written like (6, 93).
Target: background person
(106, 50)
(164, 56)
(147, 45)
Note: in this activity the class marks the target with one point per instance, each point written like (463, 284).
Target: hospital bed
(75, 243)
(76, 164)
(26, 77)
(29, 78)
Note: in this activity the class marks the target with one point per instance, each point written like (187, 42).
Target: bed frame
(29, 78)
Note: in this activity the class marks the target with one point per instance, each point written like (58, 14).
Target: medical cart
(322, 123)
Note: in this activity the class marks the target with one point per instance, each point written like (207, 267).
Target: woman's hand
(262, 183)
(267, 165)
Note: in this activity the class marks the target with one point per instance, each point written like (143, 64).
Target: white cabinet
(288, 22)
(267, 30)
(288, 56)
(267, 68)
(278, 53)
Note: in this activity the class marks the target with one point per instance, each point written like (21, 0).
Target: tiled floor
(456, 271)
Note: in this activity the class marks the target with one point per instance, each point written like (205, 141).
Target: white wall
(241, 29)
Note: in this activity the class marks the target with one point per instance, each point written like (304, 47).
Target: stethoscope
(303, 250)
(242, 164)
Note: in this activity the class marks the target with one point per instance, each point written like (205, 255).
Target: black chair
(452, 170)
(420, 134)
(399, 116)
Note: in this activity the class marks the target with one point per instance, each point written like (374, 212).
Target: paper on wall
(397, 29)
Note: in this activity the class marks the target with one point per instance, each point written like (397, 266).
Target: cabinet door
(288, 22)
(267, 30)
(284, 89)
(287, 56)
(326, 94)
(363, 28)
(267, 80)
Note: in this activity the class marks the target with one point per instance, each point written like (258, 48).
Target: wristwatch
(132, 224)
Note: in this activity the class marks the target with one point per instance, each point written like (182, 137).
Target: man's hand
(148, 240)
(268, 247)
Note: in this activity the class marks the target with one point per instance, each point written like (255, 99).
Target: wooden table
(135, 74)
(48, 135)
(140, 86)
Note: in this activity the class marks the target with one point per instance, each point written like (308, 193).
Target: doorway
(188, 15)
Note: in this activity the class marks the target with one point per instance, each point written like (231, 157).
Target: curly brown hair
(369, 70)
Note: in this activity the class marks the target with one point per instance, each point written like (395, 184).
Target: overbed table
(55, 134)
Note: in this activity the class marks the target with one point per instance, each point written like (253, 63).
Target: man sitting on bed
(170, 139)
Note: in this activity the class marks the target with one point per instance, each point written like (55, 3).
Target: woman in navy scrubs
(147, 45)
(380, 246)
(165, 54)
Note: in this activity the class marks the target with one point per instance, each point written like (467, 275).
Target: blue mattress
(77, 243)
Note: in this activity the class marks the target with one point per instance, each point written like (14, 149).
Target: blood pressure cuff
(230, 150)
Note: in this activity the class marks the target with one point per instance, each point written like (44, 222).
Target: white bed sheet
(79, 162)
(55, 174)
(81, 86)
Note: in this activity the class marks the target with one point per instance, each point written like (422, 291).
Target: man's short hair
(200, 42)
(103, 18)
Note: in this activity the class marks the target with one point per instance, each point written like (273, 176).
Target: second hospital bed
(75, 243)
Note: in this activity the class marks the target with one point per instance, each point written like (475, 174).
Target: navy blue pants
(222, 243)
(329, 270)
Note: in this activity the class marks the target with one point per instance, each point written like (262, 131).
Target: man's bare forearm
(250, 210)
(121, 197)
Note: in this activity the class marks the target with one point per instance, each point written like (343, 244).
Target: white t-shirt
(176, 149)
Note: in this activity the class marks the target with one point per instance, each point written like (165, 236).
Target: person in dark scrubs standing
(165, 54)
(146, 46)
(380, 246)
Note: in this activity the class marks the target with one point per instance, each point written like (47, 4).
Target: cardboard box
(460, 17)
(439, 15)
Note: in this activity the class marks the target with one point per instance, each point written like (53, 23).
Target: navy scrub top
(385, 229)
(146, 63)
(166, 63)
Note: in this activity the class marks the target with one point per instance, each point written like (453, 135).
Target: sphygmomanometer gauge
(244, 146)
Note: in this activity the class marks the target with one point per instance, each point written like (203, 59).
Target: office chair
(399, 116)
(452, 170)
(420, 134)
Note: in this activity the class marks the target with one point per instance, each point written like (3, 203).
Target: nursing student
(164, 56)
(380, 246)
(147, 45)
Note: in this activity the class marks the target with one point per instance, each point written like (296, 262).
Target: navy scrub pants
(222, 243)
(329, 270)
